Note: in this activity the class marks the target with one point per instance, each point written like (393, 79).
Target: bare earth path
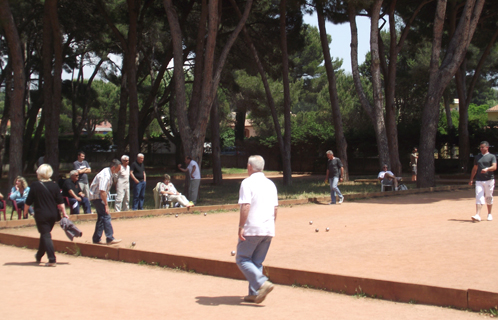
(423, 239)
(84, 288)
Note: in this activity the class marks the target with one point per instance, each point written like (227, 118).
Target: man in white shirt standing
(101, 185)
(123, 186)
(258, 201)
(194, 172)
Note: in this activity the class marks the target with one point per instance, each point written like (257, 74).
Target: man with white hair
(137, 174)
(99, 189)
(72, 190)
(258, 201)
(123, 186)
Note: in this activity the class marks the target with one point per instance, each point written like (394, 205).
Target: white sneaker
(490, 217)
(341, 199)
(476, 218)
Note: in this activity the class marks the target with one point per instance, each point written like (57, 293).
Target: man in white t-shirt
(258, 201)
(387, 177)
(194, 172)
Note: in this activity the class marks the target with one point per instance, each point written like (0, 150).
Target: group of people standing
(76, 188)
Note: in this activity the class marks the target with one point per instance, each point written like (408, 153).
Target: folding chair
(386, 187)
(15, 208)
(111, 198)
(4, 210)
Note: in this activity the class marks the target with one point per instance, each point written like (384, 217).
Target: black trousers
(46, 245)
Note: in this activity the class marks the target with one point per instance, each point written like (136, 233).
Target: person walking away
(258, 200)
(335, 173)
(47, 200)
(483, 172)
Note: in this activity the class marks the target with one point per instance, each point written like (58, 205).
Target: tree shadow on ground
(226, 300)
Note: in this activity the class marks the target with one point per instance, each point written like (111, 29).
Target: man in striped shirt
(101, 185)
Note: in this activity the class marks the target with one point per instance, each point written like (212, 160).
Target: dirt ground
(423, 239)
(85, 288)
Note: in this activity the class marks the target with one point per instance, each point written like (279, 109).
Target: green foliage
(227, 137)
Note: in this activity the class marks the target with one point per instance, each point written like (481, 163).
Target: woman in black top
(47, 200)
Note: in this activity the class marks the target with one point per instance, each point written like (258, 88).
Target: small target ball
(327, 229)
(133, 243)
(233, 253)
(316, 230)
(176, 216)
(311, 222)
(205, 214)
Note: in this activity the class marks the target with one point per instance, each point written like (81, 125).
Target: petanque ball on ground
(205, 213)
(316, 230)
(232, 253)
(327, 229)
(133, 243)
(311, 222)
(176, 216)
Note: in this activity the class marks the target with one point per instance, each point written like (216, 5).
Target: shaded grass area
(303, 187)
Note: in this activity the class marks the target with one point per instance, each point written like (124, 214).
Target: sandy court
(423, 239)
(85, 288)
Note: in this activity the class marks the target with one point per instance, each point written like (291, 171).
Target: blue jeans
(76, 209)
(250, 256)
(334, 189)
(139, 195)
(103, 223)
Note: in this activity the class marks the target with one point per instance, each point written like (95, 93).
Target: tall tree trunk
(261, 71)
(5, 117)
(286, 159)
(215, 144)
(463, 119)
(375, 112)
(447, 108)
(120, 133)
(52, 50)
(389, 68)
(131, 66)
(340, 139)
(17, 95)
(465, 97)
(439, 77)
(193, 130)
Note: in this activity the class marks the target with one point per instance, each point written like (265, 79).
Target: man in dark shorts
(484, 166)
(335, 173)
